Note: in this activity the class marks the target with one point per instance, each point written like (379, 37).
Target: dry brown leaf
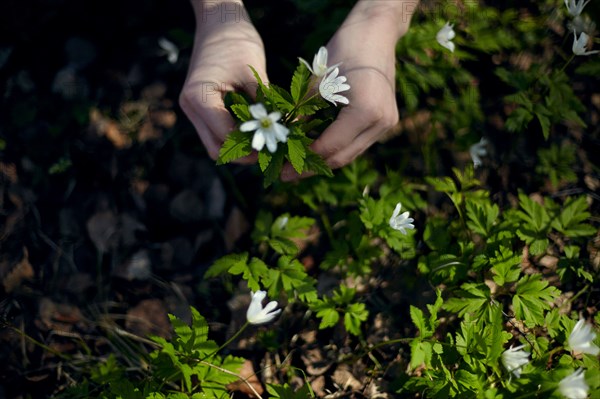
(345, 379)
(248, 378)
(57, 316)
(104, 126)
(149, 317)
(164, 118)
(16, 274)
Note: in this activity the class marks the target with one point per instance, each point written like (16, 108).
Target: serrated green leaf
(242, 112)
(420, 353)
(289, 276)
(253, 272)
(506, 266)
(418, 318)
(296, 153)
(225, 263)
(315, 163)
(283, 246)
(300, 83)
(473, 298)
(356, 313)
(237, 145)
(273, 170)
(532, 297)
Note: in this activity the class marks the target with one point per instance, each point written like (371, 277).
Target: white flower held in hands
(333, 84)
(401, 222)
(319, 64)
(575, 7)
(574, 386)
(268, 131)
(515, 358)
(582, 338)
(445, 35)
(579, 44)
(256, 314)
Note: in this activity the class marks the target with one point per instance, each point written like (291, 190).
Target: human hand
(225, 44)
(365, 45)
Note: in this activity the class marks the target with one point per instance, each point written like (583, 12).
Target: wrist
(392, 17)
(211, 12)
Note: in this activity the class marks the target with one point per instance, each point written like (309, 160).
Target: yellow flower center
(266, 122)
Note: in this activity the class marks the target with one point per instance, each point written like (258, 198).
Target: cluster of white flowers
(331, 84)
(574, 8)
(573, 386)
(268, 130)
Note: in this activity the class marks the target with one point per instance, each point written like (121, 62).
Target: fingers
(203, 104)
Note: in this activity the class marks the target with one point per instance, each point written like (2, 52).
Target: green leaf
(237, 145)
(286, 392)
(289, 276)
(264, 159)
(356, 313)
(283, 246)
(442, 184)
(296, 153)
(273, 170)
(315, 163)
(327, 312)
(420, 353)
(300, 83)
(532, 297)
(242, 112)
(506, 266)
(252, 272)
(225, 263)
(418, 318)
(473, 298)
(481, 217)
(568, 222)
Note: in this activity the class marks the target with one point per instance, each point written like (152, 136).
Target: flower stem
(292, 114)
(567, 63)
(230, 340)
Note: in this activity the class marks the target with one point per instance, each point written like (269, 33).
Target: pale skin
(225, 44)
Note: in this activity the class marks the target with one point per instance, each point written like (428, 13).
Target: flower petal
(250, 126)
(258, 111)
(258, 141)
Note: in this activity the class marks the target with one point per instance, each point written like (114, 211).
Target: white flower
(445, 36)
(268, 131)
(333, 84)
(169, 49)
(515, 358)
(477, 151)
(256, 314)
(580, 44)
(582, 338)
(573, 386)
(575, 7)
(401, 222)
(319, 64)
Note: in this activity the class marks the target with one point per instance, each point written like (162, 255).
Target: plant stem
(230, 340)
